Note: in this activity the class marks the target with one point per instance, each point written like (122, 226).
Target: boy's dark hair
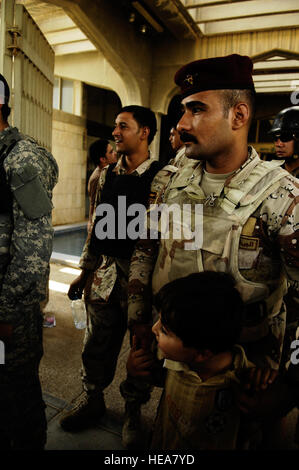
(204, 310)
(145, 117)
(98, 149)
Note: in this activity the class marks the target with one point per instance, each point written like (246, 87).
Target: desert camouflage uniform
(26, 235)
(106, 304)
(180, 159)
(292, 306)
(295, 172)
(250, 229)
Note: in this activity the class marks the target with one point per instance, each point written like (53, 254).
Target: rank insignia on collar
(210, 200)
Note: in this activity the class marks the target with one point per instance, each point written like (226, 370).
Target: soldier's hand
(139, 362)
(143, 334)
(269, 404)
(256, 378)
(77, 286)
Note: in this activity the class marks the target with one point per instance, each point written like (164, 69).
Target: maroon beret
(218, 73)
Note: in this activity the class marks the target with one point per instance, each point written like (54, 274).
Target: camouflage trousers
(106, 328)
(23, 424)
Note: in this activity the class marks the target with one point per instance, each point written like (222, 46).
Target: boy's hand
(139, 361)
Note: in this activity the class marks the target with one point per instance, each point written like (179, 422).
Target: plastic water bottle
(79, 313)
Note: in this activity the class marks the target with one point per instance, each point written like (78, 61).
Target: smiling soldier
(104, 276)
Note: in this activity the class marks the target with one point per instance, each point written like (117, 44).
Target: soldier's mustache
(185, 137)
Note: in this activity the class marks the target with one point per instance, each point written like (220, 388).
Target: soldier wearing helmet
(285, 131)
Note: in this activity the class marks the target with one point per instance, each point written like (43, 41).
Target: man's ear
(145, 132)
(240, 115)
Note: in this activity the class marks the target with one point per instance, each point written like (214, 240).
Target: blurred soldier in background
(285, 131)
(101, 153)
(175, 139)
(178, 146)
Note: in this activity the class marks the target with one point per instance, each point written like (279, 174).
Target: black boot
(85, 414)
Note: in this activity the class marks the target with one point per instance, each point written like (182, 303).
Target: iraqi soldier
(28, 174)
(285, 132)
(178, 146)
(250, 211)
(101, 154)
(104, 276)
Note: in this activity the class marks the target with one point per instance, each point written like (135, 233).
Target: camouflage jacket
(106, 269)
(26, 236)
(250, 229)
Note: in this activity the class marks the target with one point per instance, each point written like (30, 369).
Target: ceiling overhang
(214, 17)
(276, 70)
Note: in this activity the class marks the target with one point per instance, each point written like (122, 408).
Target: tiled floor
(105, 436)
(61, 382)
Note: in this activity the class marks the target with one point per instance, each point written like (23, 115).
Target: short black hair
(145, 117)
(97, 150)
(5, 110)
(231, 98)
(204, 310)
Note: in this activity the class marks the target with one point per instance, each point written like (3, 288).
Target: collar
(239, 362)
(252, 157)
(120, 168)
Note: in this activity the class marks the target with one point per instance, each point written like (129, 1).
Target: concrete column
(78, 98)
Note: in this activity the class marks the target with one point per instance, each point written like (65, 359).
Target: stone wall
(70, 152)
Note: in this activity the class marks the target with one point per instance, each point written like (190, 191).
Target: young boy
(200, 321)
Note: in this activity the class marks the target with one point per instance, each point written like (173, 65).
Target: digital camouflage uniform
(250, 229)
(26, 235)
(106, 304)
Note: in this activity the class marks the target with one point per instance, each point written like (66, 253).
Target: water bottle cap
(77, 296)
